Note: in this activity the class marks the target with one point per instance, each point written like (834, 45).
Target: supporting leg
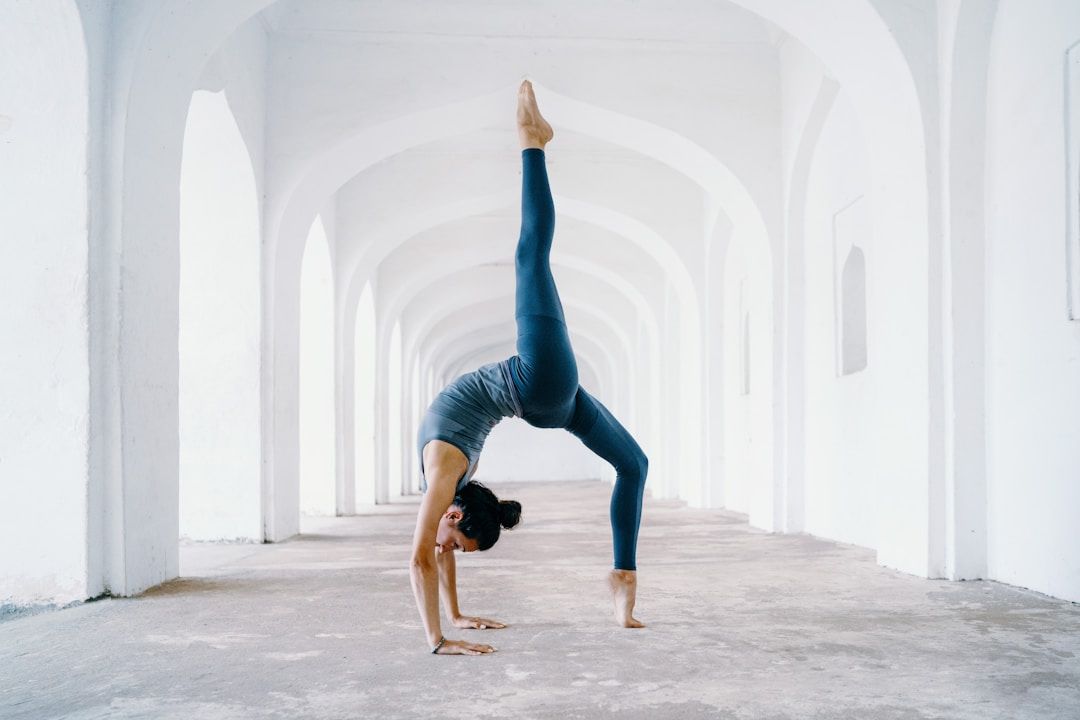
(598, 429)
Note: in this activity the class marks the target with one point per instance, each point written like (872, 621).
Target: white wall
(648, 166)
(435, 254)
(517, 452)
(365, 399)
(747, 366)
(44, 356)
(841, 462)
(1033, 349)
(397, 433)
(738, 89)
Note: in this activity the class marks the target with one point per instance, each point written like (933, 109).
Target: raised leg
(598, 429)
(536, 293)
(545, 371)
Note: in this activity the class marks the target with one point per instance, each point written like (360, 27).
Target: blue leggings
(544, 370)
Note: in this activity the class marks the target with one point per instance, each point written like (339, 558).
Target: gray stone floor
(741, 624)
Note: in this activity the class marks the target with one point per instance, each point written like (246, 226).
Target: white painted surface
(219, 328)
(396, 127)
(44, 354)
(365, 399)
(841, 493)
(748, 396)
(398, 433)
(517, 452)
(1033, 349)
(317, 493)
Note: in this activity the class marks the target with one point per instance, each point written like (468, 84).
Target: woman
(539, 385)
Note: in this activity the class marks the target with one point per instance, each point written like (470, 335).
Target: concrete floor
(741, 624)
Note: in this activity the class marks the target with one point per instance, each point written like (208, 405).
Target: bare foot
(623, 584)
(533, 130)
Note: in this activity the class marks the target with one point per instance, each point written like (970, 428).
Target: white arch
(442, 339)
(317, 478)
(413, 224)
(389, 236)
(591, 359)
(133, 442)
(457, 352)
(364, 407)
(846, 35)
(793, 460)
(395, 363)
(422, 277)
(327, 172)
(748, 418)
(596, 326)
(135, 455)
(498, 298)
(684, 460)
(220, 318)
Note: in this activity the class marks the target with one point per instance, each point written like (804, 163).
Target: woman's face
(448, 537)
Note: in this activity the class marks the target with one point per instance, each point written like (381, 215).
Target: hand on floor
(460, 647)
(476, 623)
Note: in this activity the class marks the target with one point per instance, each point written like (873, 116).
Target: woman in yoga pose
(540, 385)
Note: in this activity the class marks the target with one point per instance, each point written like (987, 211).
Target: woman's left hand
(476, 623)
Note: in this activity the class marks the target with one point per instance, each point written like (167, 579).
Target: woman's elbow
(421, 563)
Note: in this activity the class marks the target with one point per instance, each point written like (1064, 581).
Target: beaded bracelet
(441, 641)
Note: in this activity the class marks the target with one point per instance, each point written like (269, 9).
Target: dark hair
(482, 513)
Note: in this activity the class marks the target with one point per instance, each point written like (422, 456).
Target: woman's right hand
(460, 647)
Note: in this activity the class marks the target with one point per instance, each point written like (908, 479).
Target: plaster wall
(395, 429)
(487, 163)
(151, 60)
(841, 465)
(748, 384)
(483, 292)
(731, 109)
(716, 477)
(44, 425)
(336, 112)
(1033, 349)
(859, 48)
(518, 452)
(807, 95)
(364, 354)
(475, 234)
(734, 117)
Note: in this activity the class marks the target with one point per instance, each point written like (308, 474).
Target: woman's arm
(448, 583)
(423, 571)
(448, 590)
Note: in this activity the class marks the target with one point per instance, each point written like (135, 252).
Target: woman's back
(465, 411)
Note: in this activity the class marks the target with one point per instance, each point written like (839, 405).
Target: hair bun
(509, 513)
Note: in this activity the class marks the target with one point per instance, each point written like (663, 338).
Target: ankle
(531, 140)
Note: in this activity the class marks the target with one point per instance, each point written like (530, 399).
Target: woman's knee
(643, 465)
(532, 254)
(635, 467)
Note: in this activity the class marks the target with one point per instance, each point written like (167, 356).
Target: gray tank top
(466, 410)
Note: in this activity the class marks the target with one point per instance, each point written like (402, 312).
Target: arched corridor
(819, 259)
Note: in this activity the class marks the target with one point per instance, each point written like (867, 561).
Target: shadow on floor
(205, 585)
